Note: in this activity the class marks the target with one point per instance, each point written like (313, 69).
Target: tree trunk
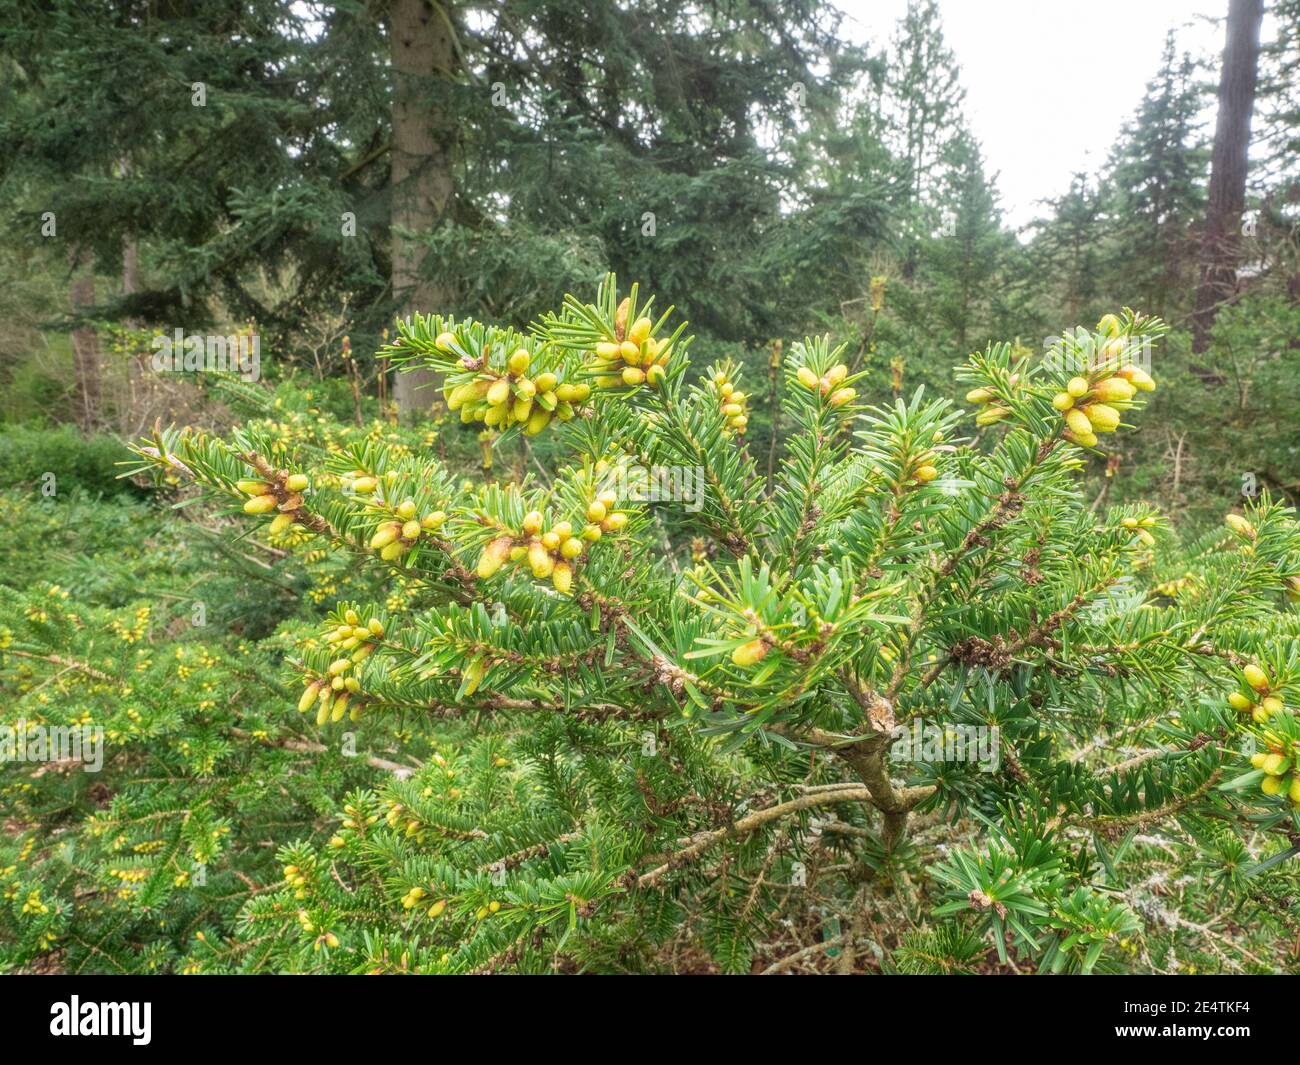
(420, 39)
(130, 268)
(85, 344)
(1221, 242)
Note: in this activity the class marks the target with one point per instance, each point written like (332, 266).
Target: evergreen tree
(922, 97)
(960, 264)
(657, 140)
(654, 735)
(1155, 191)
(194, 133)
(1067, 248)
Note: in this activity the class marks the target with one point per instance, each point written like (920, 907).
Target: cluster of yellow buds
(1142, 527)
(993, 412)
(1264, 703)
(130, 876)
(133, 633)
(830, 384)
(1090, 409)
(500, 401)
(33, 903)
(351, 635)
(329, 939)
(294, 877)
(412, 898)
(1093, 403)
(486, 911)
(394, 538)
(356, 818)
(552, 553)
(1280, 774)
(632, 357)
(733, 403)
(284, 494)
(333, 692)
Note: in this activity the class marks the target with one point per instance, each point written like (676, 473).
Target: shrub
(29, 454)
(124, 846)
(919, 683)
(112, 619)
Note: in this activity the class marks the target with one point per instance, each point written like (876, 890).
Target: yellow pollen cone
(747, 654)
(260, 504)
(1114, 388)
(639, 331)
(562, 577)
(540, 560)
(1104, 419)
(1078, 422)
(1256, 677)
(492, 557)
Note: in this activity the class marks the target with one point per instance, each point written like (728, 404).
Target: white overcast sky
(1050, 83)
